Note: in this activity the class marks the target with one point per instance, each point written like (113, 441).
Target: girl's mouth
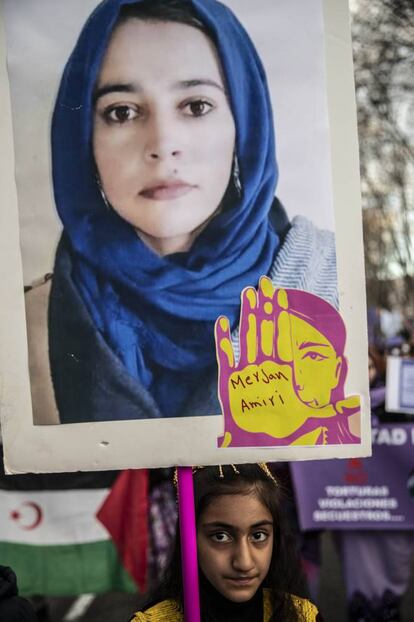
(168, 190)
(242, 581)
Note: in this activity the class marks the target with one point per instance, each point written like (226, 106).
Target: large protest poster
(375, 493)
(126, 280)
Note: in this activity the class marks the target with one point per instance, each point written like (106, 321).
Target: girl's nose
(162, 140)
(242, 558)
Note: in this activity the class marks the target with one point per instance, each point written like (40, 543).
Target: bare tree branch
(383, 40)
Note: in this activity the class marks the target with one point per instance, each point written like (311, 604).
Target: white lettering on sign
(344, 504)
(357, 491)
(355, 504)
(321, 516)
(389, 436)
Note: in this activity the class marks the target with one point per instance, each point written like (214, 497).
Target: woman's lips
(167, 191)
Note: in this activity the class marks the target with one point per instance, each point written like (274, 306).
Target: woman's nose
(242, 558)
(162, 140)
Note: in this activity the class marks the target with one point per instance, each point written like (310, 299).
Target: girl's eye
(197, 108)
(259, 536)
(120, 114)
(220, 536)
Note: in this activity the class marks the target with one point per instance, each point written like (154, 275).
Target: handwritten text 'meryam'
(259, 376)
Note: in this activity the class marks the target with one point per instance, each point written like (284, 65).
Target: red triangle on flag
(124, 513)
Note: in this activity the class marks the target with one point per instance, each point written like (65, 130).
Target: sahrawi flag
(50, 534)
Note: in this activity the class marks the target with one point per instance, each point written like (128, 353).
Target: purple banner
(360, 493)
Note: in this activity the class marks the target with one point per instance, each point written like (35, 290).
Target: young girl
(247, 561)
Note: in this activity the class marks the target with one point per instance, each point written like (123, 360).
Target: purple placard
(360, 493)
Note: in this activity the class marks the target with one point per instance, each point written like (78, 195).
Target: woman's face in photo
(164, 134)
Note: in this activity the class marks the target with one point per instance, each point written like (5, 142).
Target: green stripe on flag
(65, 569)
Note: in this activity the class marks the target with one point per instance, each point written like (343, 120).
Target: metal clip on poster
(188, 537)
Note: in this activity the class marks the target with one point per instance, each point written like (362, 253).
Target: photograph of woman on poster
(164, 177)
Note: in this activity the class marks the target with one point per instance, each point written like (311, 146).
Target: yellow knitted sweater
(169, 610)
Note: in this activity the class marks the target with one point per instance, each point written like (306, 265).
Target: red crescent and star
(27, 520)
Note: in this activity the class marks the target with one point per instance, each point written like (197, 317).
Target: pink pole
(189, 564)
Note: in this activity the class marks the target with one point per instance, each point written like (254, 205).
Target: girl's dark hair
(284, 577)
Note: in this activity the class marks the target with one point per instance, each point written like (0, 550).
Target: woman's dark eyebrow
(199, 82)
(131, 87)
(219, 525)
(262, 523)
(116, 87)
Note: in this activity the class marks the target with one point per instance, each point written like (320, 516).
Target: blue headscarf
(157, 313)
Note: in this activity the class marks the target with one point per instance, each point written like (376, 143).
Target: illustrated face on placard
(287, 388)
(150, 197)
(316, 364)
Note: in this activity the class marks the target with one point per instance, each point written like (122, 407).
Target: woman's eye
(120, 114)
(197, 108)
(220, 536)
(259, 536)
